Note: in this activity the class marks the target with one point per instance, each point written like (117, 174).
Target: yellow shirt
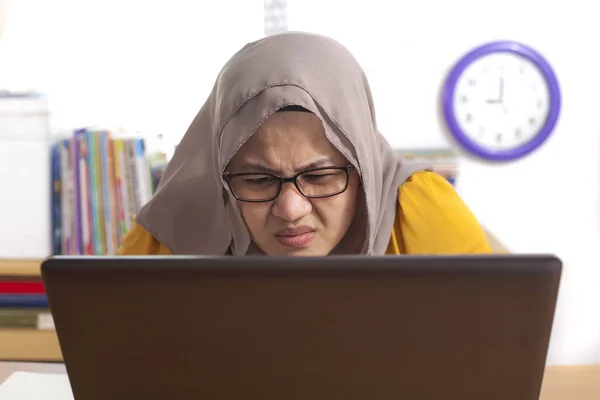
(431, 219)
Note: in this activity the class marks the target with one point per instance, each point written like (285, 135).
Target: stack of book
(23, 304)
(99, 183)
(26, 325)
(443, 161)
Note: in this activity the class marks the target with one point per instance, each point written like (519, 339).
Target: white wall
(547, 202)
(3, 13)
(142, 64)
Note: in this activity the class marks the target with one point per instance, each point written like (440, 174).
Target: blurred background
(122, 80)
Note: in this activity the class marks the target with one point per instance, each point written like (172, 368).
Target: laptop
(271, 328)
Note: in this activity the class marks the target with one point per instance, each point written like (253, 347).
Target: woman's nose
(291, 205)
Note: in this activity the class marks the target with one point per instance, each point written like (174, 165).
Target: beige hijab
(193, 212)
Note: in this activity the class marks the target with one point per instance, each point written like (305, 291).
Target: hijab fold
(192, 211)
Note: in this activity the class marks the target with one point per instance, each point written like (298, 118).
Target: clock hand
(500, 95)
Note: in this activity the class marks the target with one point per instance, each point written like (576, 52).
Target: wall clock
(501, 101)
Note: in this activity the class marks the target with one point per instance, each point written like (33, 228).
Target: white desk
(578, 382)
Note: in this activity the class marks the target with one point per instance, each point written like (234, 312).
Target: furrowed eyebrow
(259, 167)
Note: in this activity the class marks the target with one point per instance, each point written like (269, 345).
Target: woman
(285, 158)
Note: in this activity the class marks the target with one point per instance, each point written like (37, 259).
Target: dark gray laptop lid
(460, 327)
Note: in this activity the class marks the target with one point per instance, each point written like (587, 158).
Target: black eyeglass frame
(227, 176)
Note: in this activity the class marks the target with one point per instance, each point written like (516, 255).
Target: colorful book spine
(24, 300)
(66, 196)
(110, 206)
(56, 201)
(93, 193)
(121, 186)
(104, 181)
(84, 198)
(142, 172)
(24, 318)
(21, 287)
(131, 181)
(77, 234)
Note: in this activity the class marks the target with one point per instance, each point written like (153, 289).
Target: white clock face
(501, 101)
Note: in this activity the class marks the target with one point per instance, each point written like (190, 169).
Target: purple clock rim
(553, 113)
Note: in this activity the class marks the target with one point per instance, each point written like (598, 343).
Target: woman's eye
(313, 177)
(259, 181)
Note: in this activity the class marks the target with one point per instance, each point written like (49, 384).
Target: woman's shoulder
(138, 241)
(427, 186)
(433, 219)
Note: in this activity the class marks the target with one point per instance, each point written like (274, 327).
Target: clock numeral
(531, 121)
(518, 133)
(463, 99)
(472, 82)
(499, 137)
(468, 117)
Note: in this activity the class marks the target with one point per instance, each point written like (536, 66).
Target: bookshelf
(26, 344)
(29, 345)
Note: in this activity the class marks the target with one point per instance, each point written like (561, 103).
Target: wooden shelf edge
(20, 267)
(29, 345)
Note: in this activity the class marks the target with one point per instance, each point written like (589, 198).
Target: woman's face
(286, 144)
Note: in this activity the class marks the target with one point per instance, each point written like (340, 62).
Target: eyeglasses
(312, 183)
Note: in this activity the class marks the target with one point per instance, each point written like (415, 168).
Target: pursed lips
(296, 237)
